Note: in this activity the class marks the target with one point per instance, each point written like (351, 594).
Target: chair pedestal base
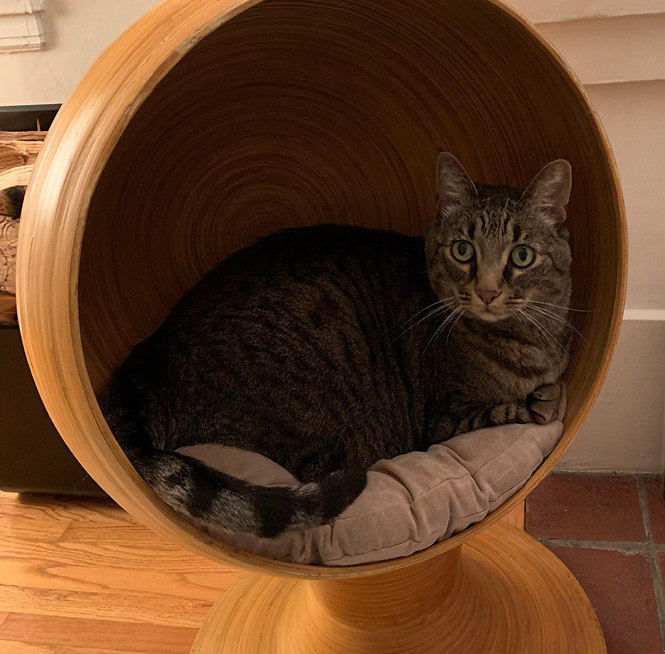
(500, 593)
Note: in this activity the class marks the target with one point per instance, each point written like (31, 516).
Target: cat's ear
(453, 184)
(549, 190)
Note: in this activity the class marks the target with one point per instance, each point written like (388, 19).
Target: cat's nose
(488, 296)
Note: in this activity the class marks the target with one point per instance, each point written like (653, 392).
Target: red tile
(656, 508)
(589, 507)
(621, 591)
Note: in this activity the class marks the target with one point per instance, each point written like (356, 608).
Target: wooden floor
(84, 578)
(81, 577)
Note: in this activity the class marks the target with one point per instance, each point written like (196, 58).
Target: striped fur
(323, 349)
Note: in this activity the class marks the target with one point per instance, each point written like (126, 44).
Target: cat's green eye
(463, 251)
(522, 256)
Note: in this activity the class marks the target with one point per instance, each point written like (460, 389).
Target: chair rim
(76, 150)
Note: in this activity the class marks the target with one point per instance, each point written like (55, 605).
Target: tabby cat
(328, 348)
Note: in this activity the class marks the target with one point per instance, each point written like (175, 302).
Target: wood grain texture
(18, 153)
(20, 148)
(81, 577)
(92, 561)
(31, 521)
(222, 121)
(502, 592)
(12, 647)
(516, 516)
(102, 635)
(16, 176)
(19, 138)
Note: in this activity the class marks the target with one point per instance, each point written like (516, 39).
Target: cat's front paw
(544, 402)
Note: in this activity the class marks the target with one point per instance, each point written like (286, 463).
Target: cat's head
(495, 249)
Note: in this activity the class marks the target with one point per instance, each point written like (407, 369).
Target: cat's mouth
(493, 312)
(488, 313)
(504, 305)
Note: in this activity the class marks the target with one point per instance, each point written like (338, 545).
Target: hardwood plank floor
(9, 647)
(31, 520)
(104, 635)
(82, 577)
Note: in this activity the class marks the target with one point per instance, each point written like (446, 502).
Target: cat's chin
(485, 315)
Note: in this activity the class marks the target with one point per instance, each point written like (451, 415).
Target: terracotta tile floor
(610, 531)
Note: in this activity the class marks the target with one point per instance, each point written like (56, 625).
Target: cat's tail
(219, 501)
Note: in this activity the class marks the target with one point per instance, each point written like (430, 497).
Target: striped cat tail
(210, 498)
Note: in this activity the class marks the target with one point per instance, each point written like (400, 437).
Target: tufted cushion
(410, 502)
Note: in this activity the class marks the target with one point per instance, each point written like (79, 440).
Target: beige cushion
(411, 501)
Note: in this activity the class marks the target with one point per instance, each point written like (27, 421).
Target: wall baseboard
(624, 431)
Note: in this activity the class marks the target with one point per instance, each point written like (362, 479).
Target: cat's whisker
(441, 307)
(539, 327)
(450, 331)
(445, 300)
(544, 331)
(554, 316)
(521, 323)
(445, 322)
(434, 312)
(560, 306)
(454, 318)
(448, 318)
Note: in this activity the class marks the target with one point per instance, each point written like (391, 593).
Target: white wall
(625, 429)
(75, 33)
(621, 61)
(634, 116)
(617, 48)
(555, 11)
